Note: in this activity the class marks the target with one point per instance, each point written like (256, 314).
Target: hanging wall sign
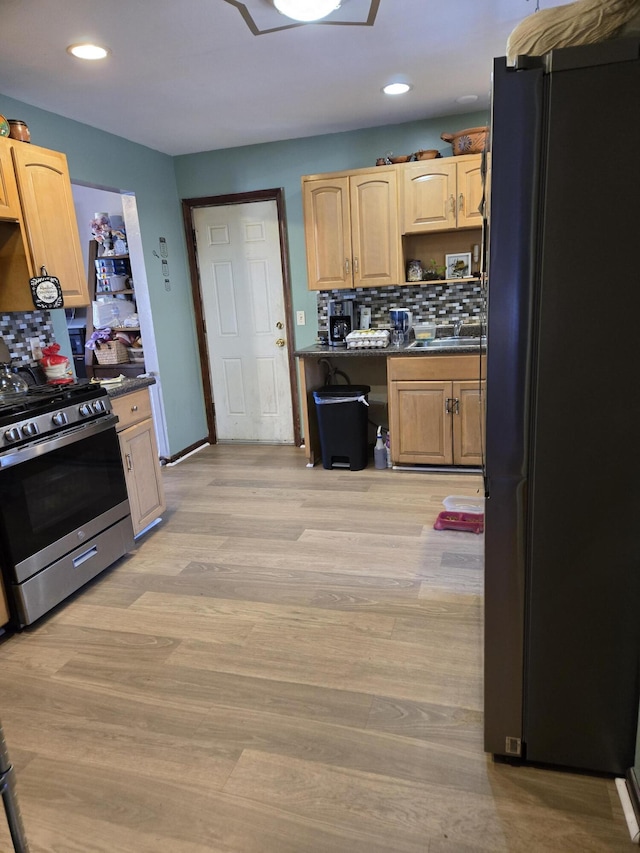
(46, 291)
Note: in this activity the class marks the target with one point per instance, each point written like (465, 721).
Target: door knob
(280, 342)
(279, 325)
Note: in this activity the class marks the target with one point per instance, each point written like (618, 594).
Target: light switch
(300, 318)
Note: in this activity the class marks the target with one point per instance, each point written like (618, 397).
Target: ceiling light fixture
(396, 88)
(306, 10)
(88, 51)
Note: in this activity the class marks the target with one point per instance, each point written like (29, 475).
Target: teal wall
(282, 164)
(111, 162)
(159, 182)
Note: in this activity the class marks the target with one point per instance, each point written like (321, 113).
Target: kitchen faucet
(457, 326)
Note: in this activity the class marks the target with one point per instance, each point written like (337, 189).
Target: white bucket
(118, 282)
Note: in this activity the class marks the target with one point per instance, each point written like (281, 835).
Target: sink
(450, 343)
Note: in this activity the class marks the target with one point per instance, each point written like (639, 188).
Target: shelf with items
(104, 272)
(432, 248)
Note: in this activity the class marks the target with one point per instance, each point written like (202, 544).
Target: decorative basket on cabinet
(111, 352)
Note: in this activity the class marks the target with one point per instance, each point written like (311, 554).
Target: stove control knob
(59, 419)
(99, 407)
(86, 410)
(30, 429)
(13, 434)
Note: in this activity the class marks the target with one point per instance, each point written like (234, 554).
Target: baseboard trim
(625, 788)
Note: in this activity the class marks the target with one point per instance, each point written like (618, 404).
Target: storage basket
(111, 352)
(136, 355)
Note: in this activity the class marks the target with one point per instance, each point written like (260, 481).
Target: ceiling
(200, 75)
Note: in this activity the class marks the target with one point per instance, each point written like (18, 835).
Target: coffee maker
(343, 315)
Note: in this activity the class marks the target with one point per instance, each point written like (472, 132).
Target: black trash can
(342, 412)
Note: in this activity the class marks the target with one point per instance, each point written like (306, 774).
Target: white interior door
(240, 264)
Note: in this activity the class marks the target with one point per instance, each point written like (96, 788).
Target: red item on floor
(470, 521)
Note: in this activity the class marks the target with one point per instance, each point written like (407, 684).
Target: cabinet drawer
(132, 408)
(435, 367)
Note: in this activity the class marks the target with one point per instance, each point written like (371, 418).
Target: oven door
(57, 492)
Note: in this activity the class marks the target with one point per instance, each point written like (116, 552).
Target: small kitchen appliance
(343, 316)
(401, 320)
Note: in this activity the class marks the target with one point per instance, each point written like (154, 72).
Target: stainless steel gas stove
(64, 512)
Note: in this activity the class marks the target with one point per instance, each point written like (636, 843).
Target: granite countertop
(470, 329)
(324, 350)
(128, 385)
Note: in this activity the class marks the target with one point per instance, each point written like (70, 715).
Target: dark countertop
(324, 350)
(471, 328)
(128, 385)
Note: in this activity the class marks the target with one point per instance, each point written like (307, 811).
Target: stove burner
(45, 409)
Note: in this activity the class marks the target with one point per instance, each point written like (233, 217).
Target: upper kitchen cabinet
(9, 198)
(43, 231)
(50, 219)
(441, 194)
(352, 229)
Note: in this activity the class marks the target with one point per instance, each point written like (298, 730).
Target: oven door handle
(48, 442)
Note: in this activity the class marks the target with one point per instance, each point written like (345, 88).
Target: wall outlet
(300, 318)
(36, 348)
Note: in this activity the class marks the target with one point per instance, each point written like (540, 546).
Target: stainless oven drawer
(52, 585)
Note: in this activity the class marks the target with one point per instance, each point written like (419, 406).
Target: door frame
(188, 207)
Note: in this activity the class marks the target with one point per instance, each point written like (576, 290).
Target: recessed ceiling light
(306, 10)
(466, 99)
(396, 88)
(88, 51)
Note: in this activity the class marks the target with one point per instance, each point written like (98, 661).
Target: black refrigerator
(562, 510)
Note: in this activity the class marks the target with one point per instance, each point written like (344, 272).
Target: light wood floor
(290, 663)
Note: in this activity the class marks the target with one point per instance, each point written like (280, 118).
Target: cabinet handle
(447, 405)
(456, 406)
(452, 204)
(346, 265)
(460, 203)
(134, 408)
(127, 456)
(355, 265)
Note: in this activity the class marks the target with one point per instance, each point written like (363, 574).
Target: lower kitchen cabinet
(140, 457)
(436, 410)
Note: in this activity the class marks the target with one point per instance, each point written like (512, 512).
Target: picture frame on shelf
(458, 265)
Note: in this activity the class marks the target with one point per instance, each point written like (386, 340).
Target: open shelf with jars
(431, 249)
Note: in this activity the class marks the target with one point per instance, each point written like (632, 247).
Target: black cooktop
(43, 398)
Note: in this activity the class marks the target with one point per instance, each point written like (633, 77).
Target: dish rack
(368, 339)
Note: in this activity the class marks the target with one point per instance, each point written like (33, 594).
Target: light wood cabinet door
(50, 220)
(327, 229)
(429, 196)
(468, 422)
(469, 187)
(9, 199)
(352, 230)
(420, 423)
(375, 229)
(436, 419)
(438, 195)
(142, 472)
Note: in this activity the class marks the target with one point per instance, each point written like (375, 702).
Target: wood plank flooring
(290, 663)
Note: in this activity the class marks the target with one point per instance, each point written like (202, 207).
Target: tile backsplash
(18, 327)
(440, 303)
